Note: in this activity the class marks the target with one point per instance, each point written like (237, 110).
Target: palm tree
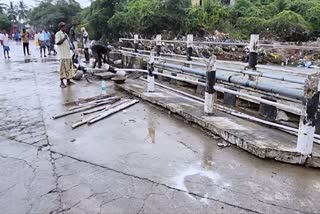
(3, 6)
(22, 12)
(12, 12)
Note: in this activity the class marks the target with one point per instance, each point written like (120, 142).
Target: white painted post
(210, 82)
(308, 119)
(158, 44)
(189, 46)
(253, 48)
(136, 42)
(254, 41)
(150, 72)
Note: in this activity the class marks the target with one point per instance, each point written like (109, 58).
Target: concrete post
(210, 83)
(136, 42)
(308, 119)
(158, 44)
(253, 48)
(150, 72)
(189, 46)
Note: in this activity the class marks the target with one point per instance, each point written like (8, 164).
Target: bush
(313, 17)
(289, 26)
(252, 25)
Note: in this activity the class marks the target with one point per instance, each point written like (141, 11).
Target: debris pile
(104, 106)
(302, 58)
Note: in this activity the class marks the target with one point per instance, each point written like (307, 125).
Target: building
(200, 2)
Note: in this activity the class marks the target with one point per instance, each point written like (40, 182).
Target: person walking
(52, 43)
(86, 44)
(4, 40)
(66, 65)
(42, 43)
(25, 41)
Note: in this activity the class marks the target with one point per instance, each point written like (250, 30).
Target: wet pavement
(141, 160)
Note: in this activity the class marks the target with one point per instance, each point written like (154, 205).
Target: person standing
(72, 35)
(86, 44)
(16, 37)
(47, 40)
(52, 43)
(42, 43)
(66, 65)
(4, 39)
(25, 41)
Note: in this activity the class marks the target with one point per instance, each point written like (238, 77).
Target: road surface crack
(157, 183)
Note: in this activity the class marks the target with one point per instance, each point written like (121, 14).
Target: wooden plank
(112, 100)
(91, 103)
(86, 120)
(86, 100)
(113, 111)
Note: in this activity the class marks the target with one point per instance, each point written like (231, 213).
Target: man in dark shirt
(100, 52)
(72, 35)
(52, 43)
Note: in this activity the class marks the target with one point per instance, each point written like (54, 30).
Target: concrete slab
(262, 141)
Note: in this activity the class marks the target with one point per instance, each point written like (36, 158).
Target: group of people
(45, 40)
(67, 48)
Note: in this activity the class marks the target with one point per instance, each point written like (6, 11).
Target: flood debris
(106, 112)
(105, 105)
(89, 105)
(223, 144)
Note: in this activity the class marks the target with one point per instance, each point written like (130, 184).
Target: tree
(48, 14)
(3, 6)
(151, 16)
(252, 25)
(289, 26)
(313, 17)
(12, 13)
(4, 22)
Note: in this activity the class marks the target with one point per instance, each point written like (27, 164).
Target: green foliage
(150, 16)
(48, 14)
(4, 22)
(12, 12)
(3, 7)
(286, 19)
(209, 18)
(252, 25)
(290, 26)
(313, 17)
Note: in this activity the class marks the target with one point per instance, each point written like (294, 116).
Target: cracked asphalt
(141, 160)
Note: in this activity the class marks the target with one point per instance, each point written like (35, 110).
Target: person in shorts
(4, 39)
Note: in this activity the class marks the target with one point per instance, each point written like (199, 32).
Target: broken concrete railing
(309, 114)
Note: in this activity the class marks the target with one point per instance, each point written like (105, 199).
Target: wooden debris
(107, 111)
(107, 101)
(86, 100)
(89, 103)
(113, 110)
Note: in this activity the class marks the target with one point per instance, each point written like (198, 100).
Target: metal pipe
(285, 78)
(225, 90)
(278, 89)
(288, 129)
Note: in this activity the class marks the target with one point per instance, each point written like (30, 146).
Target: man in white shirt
(86, 44)
(42, 43)
(4, 40)
(66, 65)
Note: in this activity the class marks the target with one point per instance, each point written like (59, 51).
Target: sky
(31, 3)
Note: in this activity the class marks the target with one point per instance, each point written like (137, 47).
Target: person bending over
(100, 52)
